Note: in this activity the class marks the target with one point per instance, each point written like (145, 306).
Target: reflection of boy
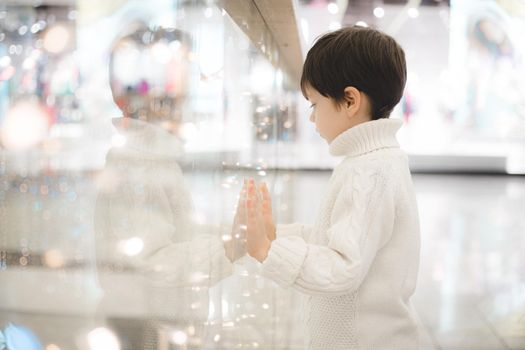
(491, 72)
(144, 212)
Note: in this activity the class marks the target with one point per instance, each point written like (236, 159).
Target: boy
(358, 265)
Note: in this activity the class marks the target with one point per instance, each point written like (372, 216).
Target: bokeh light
(26, 124)
(54, 258)
(103, 338)
(132, 246)
(57, 39)
(179, 337)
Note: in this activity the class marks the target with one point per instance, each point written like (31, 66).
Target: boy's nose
(312, 118)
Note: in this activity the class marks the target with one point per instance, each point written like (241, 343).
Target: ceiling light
(333, 8)
(379, 12)
(413, 12)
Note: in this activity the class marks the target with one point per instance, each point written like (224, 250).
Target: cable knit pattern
(358, 265)
(288, 256)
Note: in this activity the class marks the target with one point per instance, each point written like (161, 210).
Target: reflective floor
(471, 292)
(471, 289)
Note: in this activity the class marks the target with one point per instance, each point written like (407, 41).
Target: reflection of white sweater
(144, 220)
(358, 264)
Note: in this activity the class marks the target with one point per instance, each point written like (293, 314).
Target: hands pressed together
(253, 219)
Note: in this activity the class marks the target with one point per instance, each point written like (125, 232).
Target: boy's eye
(312, 105)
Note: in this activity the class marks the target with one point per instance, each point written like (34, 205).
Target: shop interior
(207, 94)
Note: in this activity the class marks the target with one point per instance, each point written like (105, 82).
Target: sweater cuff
(287, 230)
(285, 259)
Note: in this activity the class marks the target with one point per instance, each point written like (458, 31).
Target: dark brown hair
(365, 58)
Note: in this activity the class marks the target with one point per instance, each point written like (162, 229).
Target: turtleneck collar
(366, 137)
(147, 138)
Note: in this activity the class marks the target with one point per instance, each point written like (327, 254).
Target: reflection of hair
(497, 47)
(139, 100)
(141, 33)
(364, 58)
(487, 27)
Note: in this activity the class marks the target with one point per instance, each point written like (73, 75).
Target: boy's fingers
(250, 206)
(241, 210)
(252, 209)
(253, 196)
(266, 199)
(251, 219)
(242, 194)
(264, 189)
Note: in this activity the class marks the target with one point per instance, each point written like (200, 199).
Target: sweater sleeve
(295, 229)
(198, 262)
(360, 223)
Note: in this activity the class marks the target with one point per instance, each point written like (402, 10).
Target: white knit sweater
(358, 265)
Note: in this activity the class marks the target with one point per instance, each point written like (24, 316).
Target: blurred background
(127, 127)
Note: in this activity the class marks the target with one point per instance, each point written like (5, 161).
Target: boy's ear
(352, 101)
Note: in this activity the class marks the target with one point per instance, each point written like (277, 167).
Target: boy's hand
(236, 246)
(267, 211)
(257, 241)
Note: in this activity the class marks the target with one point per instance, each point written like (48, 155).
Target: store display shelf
(258, 18)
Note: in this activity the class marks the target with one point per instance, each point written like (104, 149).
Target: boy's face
(329, 120)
